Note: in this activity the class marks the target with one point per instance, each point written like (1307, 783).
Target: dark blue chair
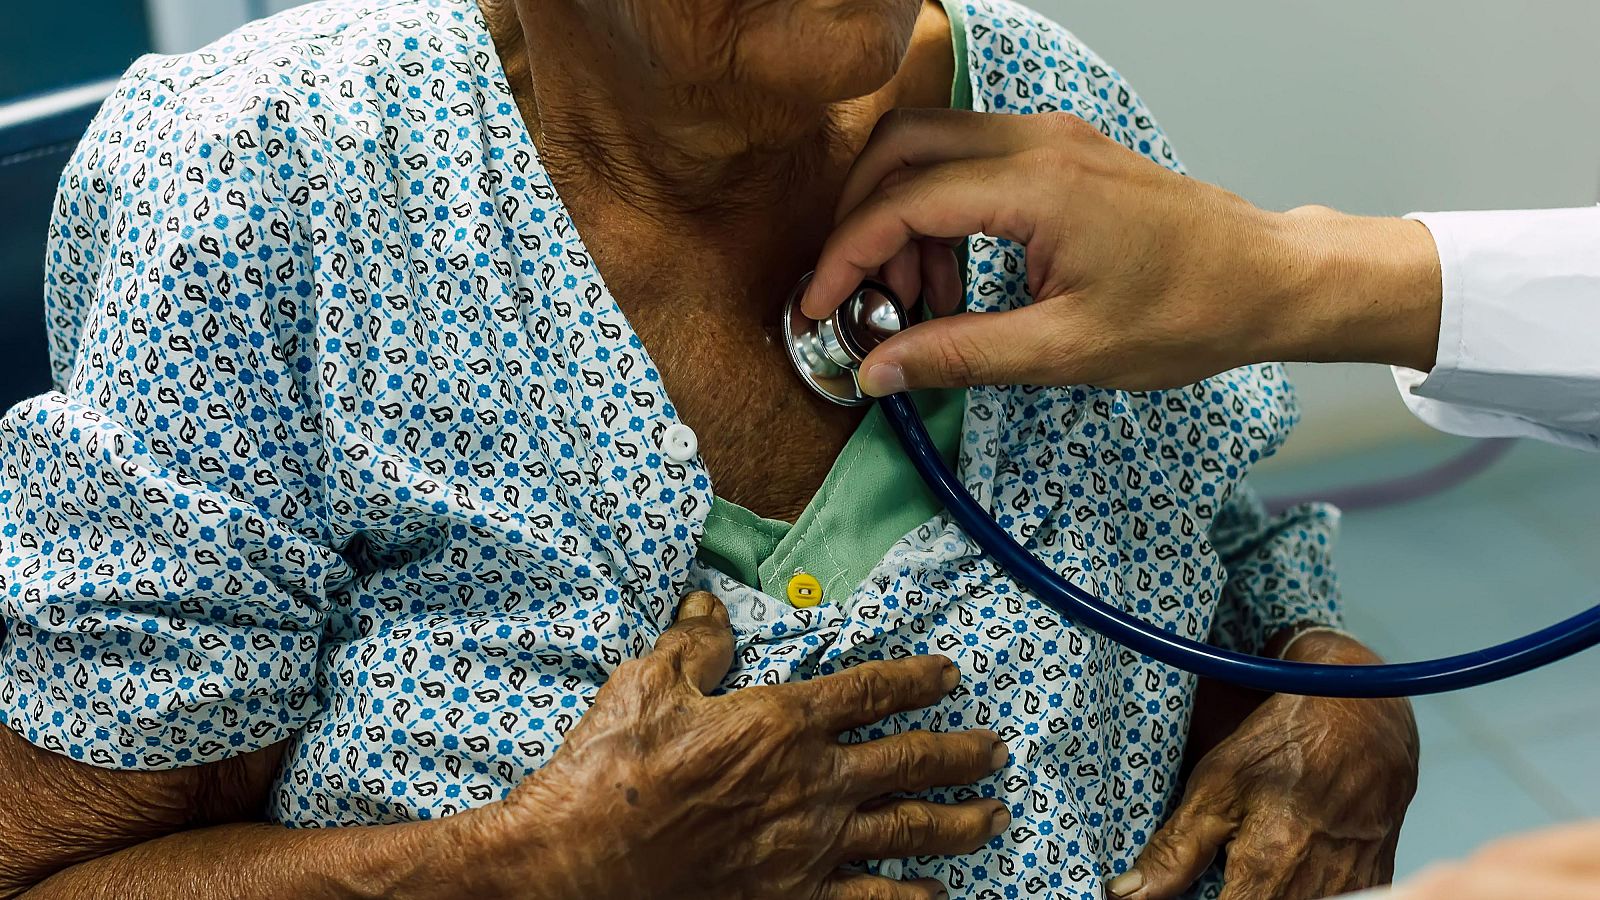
(37, 135)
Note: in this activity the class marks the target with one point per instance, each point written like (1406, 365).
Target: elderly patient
(415, 357)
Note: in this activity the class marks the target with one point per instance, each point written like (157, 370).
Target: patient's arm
(74, 831)
(1279, 578)
(1278, 568)
(1306, 794)
(1221, 708)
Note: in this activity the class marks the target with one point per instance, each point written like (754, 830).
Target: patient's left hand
(1306, 797)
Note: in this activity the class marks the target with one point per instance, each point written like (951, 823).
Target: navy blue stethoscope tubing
(1276, 676)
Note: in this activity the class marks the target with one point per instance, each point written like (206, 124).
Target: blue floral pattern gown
(351, 447)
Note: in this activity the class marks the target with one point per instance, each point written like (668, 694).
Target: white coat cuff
(1516, 354)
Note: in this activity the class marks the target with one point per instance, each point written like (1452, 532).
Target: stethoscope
(828, 353)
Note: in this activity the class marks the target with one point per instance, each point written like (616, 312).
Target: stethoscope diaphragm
(827, 353)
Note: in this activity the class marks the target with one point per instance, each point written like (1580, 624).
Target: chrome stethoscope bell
(828, 353)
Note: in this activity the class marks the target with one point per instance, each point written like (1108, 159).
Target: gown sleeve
(166, 565)
(1280, 570)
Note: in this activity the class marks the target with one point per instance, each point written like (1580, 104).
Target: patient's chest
(705, 299)
(766, 440)
(499, 450)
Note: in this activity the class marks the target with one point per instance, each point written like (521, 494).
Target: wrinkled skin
(1306, 797)
(660, 791)
(703, 187)
(801, 49)
(751, 794)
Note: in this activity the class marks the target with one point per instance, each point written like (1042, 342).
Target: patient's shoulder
(1007, 36)
(333, 40)
(1023, 62)
(340, 69)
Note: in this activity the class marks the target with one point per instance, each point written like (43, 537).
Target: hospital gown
(351, 447)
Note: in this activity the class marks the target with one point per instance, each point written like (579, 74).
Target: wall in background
(182, 25)
(45, 46)
(1376, 106)
(1372, 106)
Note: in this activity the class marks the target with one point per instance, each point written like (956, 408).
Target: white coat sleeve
(1519, 339)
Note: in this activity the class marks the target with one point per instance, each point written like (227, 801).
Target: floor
(1514, 550)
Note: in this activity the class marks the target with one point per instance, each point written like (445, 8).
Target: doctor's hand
(1305, 797)
(1141, 278)
(1555, 864)
(663, 791)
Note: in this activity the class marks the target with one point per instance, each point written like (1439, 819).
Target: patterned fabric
(352, 447)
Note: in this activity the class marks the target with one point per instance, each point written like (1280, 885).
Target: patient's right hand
(662, 791)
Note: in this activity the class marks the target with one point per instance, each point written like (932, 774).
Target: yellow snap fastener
(805, 591)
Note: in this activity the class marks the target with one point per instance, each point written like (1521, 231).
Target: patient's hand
(1306, 797)
(677, 794)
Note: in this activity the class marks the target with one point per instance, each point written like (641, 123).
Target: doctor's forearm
(1351, 289)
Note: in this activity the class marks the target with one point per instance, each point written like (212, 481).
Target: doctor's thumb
(1020, 346)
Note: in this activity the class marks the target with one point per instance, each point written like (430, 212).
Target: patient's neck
(701, 212)
(713, 159)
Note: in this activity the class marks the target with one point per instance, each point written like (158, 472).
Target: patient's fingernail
(950, 677)
(884, 379)
(1000, 822)
(1000, 755)
(1125, 884)
(696, 605)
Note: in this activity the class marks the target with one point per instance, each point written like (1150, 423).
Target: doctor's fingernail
(1125, 884)
(805, 296)
(884, 379)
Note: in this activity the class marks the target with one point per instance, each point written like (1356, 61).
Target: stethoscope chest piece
(828, 353)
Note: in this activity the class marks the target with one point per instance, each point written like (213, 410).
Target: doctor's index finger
(1573, 847)
(946, 200)
(909, 138)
